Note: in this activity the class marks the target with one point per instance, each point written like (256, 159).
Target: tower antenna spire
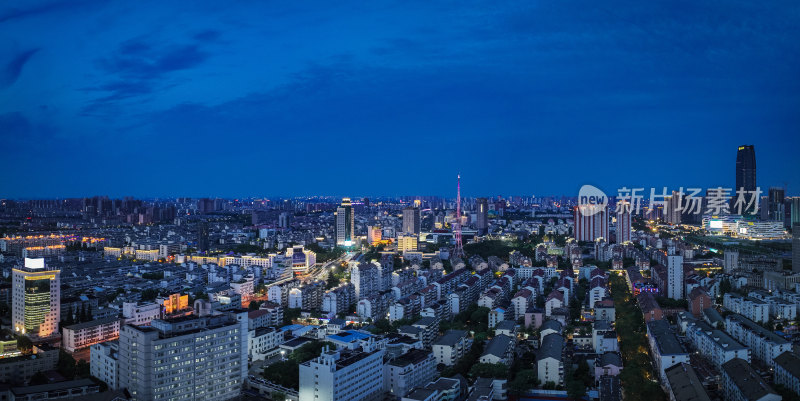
(458, 251)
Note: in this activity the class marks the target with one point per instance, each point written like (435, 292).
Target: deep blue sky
(293, 98)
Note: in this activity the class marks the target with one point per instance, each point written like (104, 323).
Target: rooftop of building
(552, 347)
(685, 384)
(753, 326)
(412, 357)
(21, 391)
(668, 343)
(551, 324)
(790, 362)
(750, 384)
(443, 384)
(92, 323)
(349, 336)
(610, 358)
(450, 338)
(508, 325)
(498, 345)
(419, 394)
(425, 321)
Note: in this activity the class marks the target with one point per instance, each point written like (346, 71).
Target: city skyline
(281, 100)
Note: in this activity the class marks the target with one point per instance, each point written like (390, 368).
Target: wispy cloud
(13, 68)
(141, 67)
(32, 9)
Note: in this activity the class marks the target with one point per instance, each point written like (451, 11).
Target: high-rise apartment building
(591, 222)
(482, 211)
(730, 261)
(36, 299)
(623, 226)
(672, 208)
(411, 220)
(188, 357)
(745, 172)
(345, 223)
(675, 276)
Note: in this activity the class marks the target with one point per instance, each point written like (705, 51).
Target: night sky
(287, 98)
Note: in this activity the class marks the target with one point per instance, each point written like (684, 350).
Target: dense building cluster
(315, 299)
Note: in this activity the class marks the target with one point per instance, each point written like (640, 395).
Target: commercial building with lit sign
(36, 306)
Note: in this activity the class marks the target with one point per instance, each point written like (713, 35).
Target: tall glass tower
(345, 222)
(746, 172)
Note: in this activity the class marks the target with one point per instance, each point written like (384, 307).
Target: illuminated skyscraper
(36, 305)
(345, 222)
(746, 171)
(411, 220)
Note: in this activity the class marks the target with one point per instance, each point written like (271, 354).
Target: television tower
(458, 251)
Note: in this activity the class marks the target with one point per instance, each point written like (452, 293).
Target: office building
(406, 242)
(36, 299)
(343, 375)
(794, 211)
(745, 173)
(775, 207)
(187, 357)
(675, 285)
(591, 222)
(411, 220)
(482, 212)
(374, 234)
(345, 224)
